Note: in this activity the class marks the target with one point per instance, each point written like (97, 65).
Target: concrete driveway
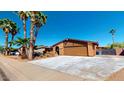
(89, 68)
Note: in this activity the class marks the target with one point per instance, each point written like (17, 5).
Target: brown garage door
(75, 51)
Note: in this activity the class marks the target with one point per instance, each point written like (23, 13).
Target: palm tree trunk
(24, 54)
(113, 39)
(31, 47)
(24, 26)
(6, 43)
(11, 40)
(10, 46)
(36, 33)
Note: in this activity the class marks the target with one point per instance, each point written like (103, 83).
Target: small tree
(21, 42)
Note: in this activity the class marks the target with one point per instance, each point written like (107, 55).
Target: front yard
(89, 68)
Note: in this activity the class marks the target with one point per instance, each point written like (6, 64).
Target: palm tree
(5, 25)
(37, 19)
(8, 26)
(112, 32)
(24, 16)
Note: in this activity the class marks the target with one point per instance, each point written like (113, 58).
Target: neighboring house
(109, 51)
(74, 47)
(40, 49)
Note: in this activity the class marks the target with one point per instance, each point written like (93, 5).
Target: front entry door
(57, 50)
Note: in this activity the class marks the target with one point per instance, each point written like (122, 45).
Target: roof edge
(70, 39)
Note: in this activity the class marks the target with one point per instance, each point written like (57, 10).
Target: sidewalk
(18, 71)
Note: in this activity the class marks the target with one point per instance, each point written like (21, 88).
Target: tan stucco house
(73, 47)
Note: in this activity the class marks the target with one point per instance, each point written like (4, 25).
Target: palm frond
(22, 41)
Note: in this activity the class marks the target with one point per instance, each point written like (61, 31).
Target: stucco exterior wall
(61, 49)
(91, 49)
(75, 49)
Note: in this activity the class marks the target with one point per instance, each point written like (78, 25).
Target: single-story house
(74, 47)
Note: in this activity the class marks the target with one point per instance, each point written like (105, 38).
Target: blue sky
(93, 26)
